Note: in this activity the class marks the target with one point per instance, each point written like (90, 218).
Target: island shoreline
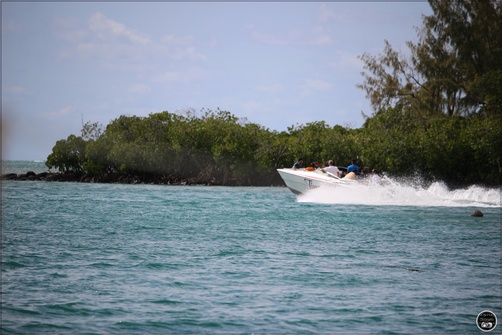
(114, 178)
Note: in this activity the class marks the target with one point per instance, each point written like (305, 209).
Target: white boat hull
(301, 181)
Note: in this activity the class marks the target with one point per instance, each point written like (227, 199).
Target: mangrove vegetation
(437, 113)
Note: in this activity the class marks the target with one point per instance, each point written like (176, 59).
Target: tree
(389, 79)
(91, 131)
(68, 155)
(389, 142)
(454, 69)
(470, 32)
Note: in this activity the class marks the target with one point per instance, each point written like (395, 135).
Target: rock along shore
(112, 178)
(105, 178)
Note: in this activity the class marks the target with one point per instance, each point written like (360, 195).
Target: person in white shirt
(331, 169)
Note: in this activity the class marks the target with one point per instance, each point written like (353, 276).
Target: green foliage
(483, 137)
(91, 131)
(219, 148)
(96, 156)
(384, 145)
(67, 155)
(456, 150)
(454, 69)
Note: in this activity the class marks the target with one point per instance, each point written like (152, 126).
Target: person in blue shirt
(353, 167)
(298, 165)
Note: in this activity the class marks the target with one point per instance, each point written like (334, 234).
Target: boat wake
(405, 193)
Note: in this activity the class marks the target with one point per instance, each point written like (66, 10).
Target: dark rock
(9, 176)
(43, 175)
(30, 173)
(52, 177)
(477, 213)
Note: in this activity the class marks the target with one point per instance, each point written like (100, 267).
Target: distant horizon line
(25, 160)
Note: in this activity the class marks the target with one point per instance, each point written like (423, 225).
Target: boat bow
(300, 181)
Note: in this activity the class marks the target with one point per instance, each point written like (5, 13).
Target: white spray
(405, 193)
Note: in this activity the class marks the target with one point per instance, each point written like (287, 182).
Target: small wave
(69, 307)
(12, 265)
(58, 275)
(163, 266)
(102, 265)
(403, 268)
(20, 312)
(165, 302)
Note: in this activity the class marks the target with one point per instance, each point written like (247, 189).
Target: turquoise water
(23, 167)
(136, 259)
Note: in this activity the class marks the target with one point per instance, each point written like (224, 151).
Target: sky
(277, 64)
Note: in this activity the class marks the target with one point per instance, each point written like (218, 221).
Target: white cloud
(18, 90)
(116, 46)
(319, 33)
(171, 39)
(316, 85)
(86, 48)
(269, 38)
(68, 28)
(67, 110)
(293, 36)
(192, 54)
(187, 75)
(322, 40)
(272, 88)
(327, 14)
(313, 86)
(167, 77)
(346, 61)
(251, 106)
(106, 29)
(140, 88)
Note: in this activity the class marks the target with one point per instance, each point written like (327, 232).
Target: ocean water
(20, 167)
(136, 259)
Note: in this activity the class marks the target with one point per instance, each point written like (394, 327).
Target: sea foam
(410, 192)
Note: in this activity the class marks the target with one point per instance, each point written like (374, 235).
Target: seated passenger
(353, 167)
(331, 169)
(313, 166)
(298, 165)
(351, 176)
(365, 172)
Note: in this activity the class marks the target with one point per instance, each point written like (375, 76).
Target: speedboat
(300, 181)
